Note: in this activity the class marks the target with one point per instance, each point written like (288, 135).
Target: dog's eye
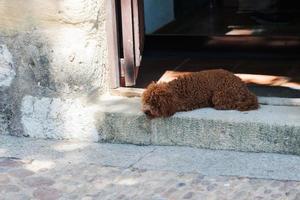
(147, 112)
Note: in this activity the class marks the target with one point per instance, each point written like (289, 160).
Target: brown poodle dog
(218, 88)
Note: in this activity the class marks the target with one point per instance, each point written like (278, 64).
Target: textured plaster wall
(52, 52)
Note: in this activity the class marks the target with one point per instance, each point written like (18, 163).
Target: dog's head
(158, 101)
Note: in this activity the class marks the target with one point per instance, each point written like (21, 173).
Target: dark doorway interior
(154, 67)
(207, 34)
(234, 17)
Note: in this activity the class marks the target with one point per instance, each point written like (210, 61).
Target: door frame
(113, 44)
(173, 43)
(125, 45)
(131, 23)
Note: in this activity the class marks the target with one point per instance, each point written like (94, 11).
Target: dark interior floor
(271, 56)
(153, 68)
(227, 21)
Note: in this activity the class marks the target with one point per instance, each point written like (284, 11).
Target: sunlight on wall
(59, 119)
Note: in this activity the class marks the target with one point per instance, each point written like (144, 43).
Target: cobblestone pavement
(32, 179)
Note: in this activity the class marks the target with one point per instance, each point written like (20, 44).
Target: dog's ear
(164, 100)
(147, 94)
(160, 98)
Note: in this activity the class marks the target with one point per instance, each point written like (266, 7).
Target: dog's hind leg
(230, 99)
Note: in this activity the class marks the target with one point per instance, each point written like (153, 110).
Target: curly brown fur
(211, 88)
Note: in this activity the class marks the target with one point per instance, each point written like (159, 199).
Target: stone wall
(53, 57)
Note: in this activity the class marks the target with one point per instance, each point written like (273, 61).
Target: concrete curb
(178, 159)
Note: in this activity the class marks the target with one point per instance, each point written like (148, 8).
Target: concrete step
(50, 154)
(273, 129)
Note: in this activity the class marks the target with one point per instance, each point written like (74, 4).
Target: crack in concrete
(141, 158)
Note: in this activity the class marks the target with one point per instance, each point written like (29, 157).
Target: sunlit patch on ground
(38, 165)
(66, 147)
(127, 181)
(269, 80)
(244, 31)
(3, 151)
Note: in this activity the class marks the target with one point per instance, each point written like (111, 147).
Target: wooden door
(132, 22)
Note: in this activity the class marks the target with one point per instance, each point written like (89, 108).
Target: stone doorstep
(118, 119)
(273, 129)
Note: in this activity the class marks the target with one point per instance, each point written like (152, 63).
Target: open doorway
(227, 17)
(259, 41)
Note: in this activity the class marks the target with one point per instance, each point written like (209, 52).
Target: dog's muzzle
(147, 112)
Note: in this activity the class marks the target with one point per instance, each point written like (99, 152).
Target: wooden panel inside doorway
(132, 20)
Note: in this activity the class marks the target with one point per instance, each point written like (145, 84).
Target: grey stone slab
(120, 120)
(225, 163)
(273, 115)
(122, 128)
(230, 130)
(268, 129)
